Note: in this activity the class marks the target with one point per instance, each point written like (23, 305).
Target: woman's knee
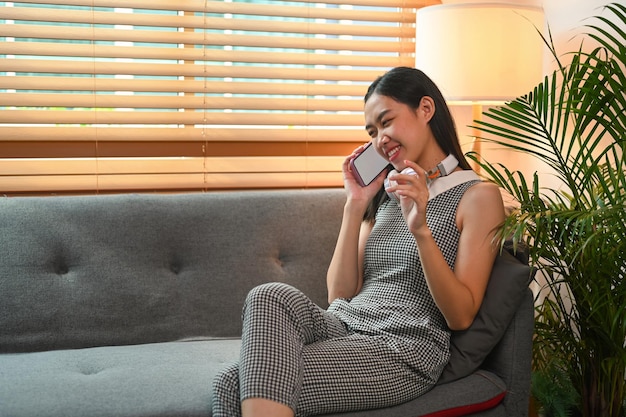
(273, 292)
(227, 381)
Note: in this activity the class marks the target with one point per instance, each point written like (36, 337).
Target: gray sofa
(128, 305)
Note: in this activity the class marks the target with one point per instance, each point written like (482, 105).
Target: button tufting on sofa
(61, 268)
(175, 267)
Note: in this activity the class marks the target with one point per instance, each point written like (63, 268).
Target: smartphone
(367, 165)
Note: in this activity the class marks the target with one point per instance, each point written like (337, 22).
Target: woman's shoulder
(482, 199)
(484, 189)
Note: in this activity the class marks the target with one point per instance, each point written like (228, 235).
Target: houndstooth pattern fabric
(296, 353)
(395, 301)
(385, 346)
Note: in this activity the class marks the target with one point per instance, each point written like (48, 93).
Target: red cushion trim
(470, 408)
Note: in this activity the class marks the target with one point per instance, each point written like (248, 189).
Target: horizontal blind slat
(115, 101)
(173, 20)
(164, 182)
(191, 70)
(199, 5)
(108, 166)
(151, 134)
(171, 36)
(181, 86)
(54, 117)
(199, 53)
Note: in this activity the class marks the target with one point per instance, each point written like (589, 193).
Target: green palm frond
(574, 122)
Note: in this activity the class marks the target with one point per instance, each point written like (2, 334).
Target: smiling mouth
(392, 152)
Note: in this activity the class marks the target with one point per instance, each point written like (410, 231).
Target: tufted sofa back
(128, 269)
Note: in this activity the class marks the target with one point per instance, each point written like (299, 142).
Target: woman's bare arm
(345, 273)
(459, 293)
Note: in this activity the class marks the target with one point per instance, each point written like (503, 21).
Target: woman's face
(399, 132)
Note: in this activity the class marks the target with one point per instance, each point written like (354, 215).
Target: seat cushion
(174, 379)
(160, 379)
(477, 392)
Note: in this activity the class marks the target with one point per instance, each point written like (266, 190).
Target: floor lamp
(480, 53)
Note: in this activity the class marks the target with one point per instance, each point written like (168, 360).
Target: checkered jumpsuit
(385, 346)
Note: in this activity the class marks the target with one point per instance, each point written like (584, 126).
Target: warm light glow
(480, 52)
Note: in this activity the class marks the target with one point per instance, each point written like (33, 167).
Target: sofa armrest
(511, 359)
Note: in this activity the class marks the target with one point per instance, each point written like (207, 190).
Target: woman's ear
(427, 108)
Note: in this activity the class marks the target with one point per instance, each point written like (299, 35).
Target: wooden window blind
(119, 95)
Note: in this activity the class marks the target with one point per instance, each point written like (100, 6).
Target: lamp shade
(480, 52)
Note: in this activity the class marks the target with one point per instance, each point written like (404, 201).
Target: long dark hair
(408, 86)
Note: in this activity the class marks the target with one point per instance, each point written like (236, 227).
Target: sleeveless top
(395, 302)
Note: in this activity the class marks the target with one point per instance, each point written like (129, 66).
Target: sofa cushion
(87, 271)
(487, 402)
(507, 286)
(174, 379)
(480, 391)
(159, 379)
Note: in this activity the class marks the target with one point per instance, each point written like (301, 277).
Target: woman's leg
(348, 373)
(278, 321)
(226, 402)
(356, 372)
(260, 407)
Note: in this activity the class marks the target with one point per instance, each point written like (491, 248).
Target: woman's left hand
(412, 192)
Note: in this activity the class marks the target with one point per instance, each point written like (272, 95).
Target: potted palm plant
(574, 122)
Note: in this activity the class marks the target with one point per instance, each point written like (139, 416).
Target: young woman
(407, 269)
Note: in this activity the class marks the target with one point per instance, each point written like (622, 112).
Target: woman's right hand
(353, 189)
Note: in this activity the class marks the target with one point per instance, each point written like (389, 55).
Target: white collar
(443, 168)
(442, 184)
